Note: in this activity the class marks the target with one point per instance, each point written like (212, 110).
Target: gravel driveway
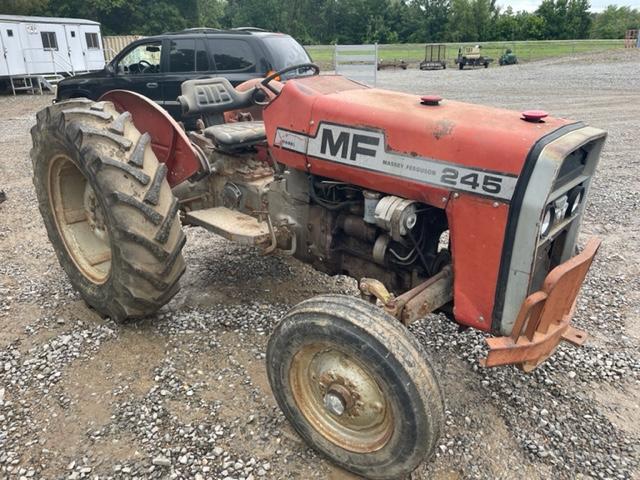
(185, 395)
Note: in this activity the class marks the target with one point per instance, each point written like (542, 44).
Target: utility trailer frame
(435, 57)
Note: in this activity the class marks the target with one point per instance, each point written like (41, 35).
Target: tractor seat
(237, 135)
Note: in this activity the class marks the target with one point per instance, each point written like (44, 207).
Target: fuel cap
(534, 116)
(431, 100)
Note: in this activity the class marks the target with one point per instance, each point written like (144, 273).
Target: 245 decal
(472, 181)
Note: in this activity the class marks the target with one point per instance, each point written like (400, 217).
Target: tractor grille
(559, 245)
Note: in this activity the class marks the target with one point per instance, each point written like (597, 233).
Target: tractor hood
(398, 134)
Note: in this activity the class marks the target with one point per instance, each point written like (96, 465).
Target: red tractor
(436, 205)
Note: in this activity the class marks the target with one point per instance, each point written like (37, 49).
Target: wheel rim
(340, 398)
(79, 219)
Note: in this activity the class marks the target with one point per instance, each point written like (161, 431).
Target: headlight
(575, 198)
(561, 207)
(547, 221)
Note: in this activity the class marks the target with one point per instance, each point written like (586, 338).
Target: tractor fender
(168, 139)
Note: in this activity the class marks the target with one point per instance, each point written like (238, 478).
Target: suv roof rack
(205, 30)
(201, 30)
(249, 29)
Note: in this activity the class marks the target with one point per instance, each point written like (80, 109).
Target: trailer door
(13, 62)
(92, 43)
(75, 52)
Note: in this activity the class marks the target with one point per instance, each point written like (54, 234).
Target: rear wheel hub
(80, 219)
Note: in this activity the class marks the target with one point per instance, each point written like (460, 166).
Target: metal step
(47, 84)
(52, 79)
(232, 225)
(23, 84)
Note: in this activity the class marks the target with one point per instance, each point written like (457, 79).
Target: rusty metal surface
(545, 316)
(341, 398)
(370, 287)
(436, 292)
(416, 303)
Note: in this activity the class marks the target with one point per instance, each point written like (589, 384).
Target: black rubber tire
(461, 66)
(141, 213)
(394, 356)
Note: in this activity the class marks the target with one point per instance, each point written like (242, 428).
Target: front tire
(356, 385)
(107, 207)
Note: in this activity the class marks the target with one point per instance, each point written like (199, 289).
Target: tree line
(348, 21)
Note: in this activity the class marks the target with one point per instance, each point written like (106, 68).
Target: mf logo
(335, 142)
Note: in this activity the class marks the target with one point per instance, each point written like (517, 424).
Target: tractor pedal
(232, 225)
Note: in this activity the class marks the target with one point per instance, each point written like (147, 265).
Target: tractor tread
(137, 156)
(117, 126)
(157, 251)
(138, 174)
(97, 106)
(173, 257)
(153, 216)
(119, 140)
(153, 193)
(150, 277)
(170, 217)
(101, 114)
(147, 261)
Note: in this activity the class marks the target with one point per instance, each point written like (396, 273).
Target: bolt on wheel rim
(340, 398)
(80, 219)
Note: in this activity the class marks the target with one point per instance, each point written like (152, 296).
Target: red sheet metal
(168, 140)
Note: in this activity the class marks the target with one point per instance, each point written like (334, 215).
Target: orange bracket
(545, 316)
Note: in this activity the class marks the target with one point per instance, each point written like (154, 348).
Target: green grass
(526, 51)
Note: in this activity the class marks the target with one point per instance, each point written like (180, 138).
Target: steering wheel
(145, 66)
(306, 66)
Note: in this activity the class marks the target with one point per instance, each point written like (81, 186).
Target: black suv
(156, 66)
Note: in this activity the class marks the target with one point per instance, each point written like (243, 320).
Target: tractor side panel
(291, 111)
(463, 158)
(476, 232)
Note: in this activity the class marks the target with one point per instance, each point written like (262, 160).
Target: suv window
(232, 55)
(202, 57)
(285, 51)
(182, 55)
(144, 58)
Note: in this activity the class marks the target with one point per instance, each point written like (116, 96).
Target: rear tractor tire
(107, 207)
(356, 385)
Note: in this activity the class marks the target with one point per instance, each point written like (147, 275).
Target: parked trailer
(41, 47)
(386, 64)
(435, 57)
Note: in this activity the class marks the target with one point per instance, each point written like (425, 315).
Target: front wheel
(356, 385)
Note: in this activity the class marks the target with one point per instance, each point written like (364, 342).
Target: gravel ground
(185, 395)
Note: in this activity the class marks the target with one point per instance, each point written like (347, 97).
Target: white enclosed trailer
(41, 47)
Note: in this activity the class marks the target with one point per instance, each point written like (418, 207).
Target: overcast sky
(596, 5)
